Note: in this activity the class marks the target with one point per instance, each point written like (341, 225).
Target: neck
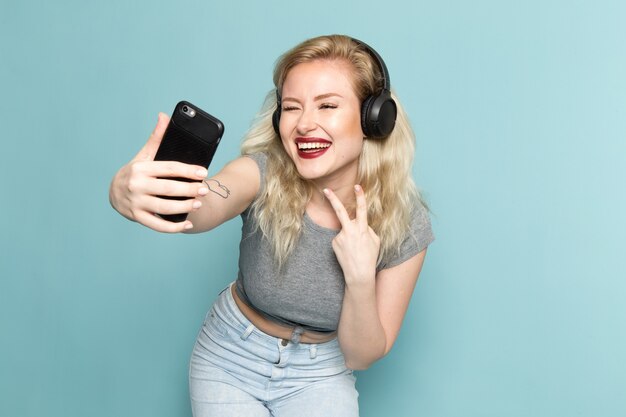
(345, 193)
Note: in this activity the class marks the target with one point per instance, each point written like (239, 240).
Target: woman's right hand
(135, 188)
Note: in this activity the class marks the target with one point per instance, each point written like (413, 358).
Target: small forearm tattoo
(216, 187)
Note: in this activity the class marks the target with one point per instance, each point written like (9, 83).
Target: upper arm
(231, 191)
(394, 288)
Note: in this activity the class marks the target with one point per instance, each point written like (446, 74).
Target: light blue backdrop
(519, 109)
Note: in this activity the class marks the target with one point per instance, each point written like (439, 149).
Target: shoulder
(259, 158)
(420, 230)
(243, 166)
(258, 162)
(419, 235)
(420, 226)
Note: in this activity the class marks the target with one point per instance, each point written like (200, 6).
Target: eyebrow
(317, 98)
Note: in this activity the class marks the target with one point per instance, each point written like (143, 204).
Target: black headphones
(378, 112)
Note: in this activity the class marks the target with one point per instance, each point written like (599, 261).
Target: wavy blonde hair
(384, 165)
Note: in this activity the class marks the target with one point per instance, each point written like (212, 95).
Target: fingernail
(202, 173)
(188, 225)
(197, 204)
(203, 190)
(326, 191)
(357, 188)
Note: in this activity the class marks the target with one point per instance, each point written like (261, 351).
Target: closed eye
(328, 106)
(290, 108)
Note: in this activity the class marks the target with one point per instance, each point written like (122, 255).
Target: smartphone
(192, 136)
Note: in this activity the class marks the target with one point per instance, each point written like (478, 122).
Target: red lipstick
(309, 148)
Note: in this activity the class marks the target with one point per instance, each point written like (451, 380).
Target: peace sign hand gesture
(357, 245)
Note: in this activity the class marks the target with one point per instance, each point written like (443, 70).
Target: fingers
(150, 197)
(361, 207)
(174, 188)
(169, 206)
(342, 213)
(340, 210)
(168, 169)
(150, 205)
(156, 223)
(152, 179)
(149, 150)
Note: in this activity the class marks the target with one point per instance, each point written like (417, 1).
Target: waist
(275, 329)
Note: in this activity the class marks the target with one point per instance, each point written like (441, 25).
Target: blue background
(519, 110)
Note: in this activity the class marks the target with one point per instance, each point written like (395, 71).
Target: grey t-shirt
(308, 290)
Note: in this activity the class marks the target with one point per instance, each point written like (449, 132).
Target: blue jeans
(237, 370)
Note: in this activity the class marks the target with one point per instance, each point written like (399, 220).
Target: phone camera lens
(188, 111)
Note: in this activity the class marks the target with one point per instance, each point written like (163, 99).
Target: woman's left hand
(357, 245)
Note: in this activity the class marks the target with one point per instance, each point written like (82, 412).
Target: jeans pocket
(215, 325)
(331, 359)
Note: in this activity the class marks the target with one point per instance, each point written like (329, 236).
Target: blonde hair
(384, 165)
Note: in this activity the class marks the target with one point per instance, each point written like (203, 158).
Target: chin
(308, 174)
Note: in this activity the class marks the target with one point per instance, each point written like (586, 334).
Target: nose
(306, 122)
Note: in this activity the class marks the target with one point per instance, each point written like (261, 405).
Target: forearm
(217, 207)
(361, 334)
(228, 194)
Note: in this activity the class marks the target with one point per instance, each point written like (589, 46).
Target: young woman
(334, 236)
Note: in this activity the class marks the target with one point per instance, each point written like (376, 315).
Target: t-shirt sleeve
(261, 161)
(419, 237)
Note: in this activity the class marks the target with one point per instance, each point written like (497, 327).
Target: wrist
(360, 278)
(364, 286)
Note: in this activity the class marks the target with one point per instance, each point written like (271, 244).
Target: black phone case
(191, 140)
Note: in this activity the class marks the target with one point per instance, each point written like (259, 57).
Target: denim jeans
(237, 370)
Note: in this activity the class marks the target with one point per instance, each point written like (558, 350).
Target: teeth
(313, 145)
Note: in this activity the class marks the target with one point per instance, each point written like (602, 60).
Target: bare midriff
(278, 330)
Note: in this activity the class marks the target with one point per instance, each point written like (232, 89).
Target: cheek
(285, 145)
(288, 146)
(285, 126)
(353, 123)
(347, 124)
(282, 131)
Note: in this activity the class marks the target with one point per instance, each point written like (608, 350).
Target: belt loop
(296, 334)
(249, 330)
(313, 351)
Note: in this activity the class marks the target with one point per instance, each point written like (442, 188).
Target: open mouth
(312, 147)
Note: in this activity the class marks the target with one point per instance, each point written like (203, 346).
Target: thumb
(149, 150)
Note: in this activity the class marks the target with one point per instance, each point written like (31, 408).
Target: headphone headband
(379, 61)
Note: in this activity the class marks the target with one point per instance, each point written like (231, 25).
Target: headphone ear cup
(365, 111)
(276, 119)
(378, 115)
